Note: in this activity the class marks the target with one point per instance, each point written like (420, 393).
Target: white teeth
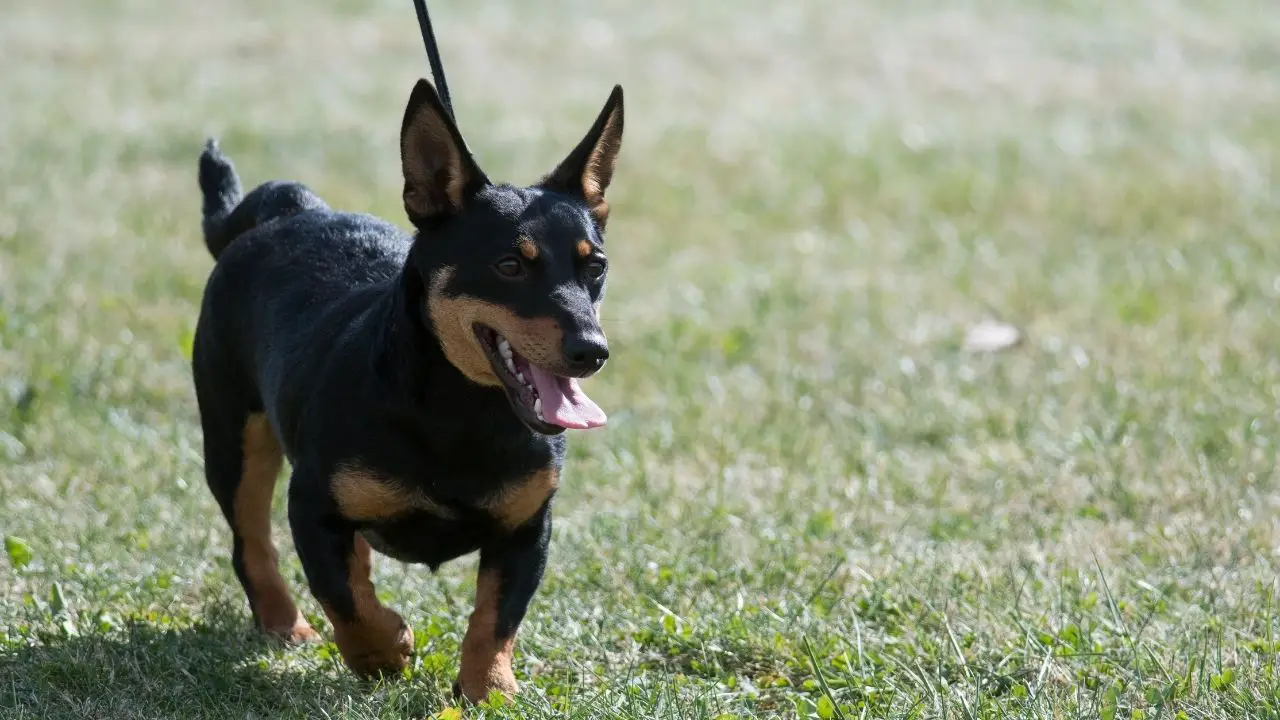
(504, 350)
(537, 409)
(520, 377)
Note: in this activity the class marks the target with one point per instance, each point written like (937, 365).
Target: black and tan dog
(418, 385)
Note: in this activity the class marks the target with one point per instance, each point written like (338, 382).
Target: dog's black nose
(586, 353)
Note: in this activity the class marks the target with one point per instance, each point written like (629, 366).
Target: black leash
(433, 56)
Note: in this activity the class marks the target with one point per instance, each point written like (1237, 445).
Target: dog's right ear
(440, 176)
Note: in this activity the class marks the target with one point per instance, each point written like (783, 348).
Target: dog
(419, 385)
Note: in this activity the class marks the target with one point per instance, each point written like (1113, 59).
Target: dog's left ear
(587, 171)
(440, 176)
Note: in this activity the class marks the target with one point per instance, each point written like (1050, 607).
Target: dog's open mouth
(546, 402)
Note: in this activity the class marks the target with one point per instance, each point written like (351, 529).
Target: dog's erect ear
(587, 171)
(440, 175)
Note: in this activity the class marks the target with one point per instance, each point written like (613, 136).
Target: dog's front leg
(510, 571)
(372, 638)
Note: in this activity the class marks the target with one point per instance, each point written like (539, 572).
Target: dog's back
(287, 266)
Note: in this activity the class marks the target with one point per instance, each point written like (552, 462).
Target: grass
(811, 501)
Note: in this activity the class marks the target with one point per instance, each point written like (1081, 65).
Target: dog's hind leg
(242, 463)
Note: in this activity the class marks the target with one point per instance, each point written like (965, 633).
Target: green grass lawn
(811, 500)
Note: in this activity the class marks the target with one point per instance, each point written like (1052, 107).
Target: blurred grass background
(806, 478)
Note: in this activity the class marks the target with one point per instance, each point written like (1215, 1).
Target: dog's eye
(594, 270)
(509, 267)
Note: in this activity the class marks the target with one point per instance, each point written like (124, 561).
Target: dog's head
(513, 276)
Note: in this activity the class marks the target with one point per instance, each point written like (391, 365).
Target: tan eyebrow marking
(527, 248)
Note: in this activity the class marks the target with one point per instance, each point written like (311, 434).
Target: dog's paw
(289, 630)
(475, 687)
(379, 646)
(299, 633)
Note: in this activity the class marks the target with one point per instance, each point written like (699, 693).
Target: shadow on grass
(222, 670)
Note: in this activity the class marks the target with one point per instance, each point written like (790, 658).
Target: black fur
(319, 319)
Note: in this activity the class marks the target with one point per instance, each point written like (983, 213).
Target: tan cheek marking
(364, 495)
(376, 640)
(517, 503)
(453, 319)
(538, 339)
(270, 598)
(527, 248)
(486, 659)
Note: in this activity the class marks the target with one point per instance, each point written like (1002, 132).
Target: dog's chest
(424, 540)
(415, 520)
(517, 501)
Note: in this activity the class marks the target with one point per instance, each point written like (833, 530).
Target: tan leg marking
(377, 640)
(518, 502)
(270, 599)
(362, 494)
(486, 659)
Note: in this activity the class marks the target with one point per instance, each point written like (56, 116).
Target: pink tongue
(564, 403)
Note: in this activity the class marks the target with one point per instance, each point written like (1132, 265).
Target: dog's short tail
(220, 187)
(229, 213)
